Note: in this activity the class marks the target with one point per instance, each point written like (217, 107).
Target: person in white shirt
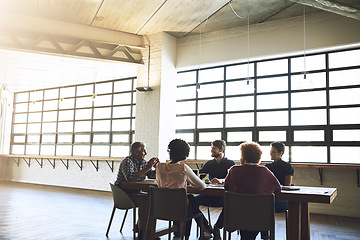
(178, 175)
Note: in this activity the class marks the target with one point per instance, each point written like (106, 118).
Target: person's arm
(272, 181)
(222, 180)
(228, 179)
(194, 180)
(151, 163)
(288, 179)
(204, 170)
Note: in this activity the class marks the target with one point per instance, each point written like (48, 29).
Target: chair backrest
(121, 199)
(168, 204)
(252, 212)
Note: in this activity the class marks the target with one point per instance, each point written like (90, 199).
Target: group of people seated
(249, 177)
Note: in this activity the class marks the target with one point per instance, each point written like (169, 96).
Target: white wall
(87, 178)
(268, 39)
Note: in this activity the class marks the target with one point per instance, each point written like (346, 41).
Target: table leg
(294, 223)
(305, 221)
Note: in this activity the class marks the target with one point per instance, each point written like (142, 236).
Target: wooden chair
(123, 202)
(169, 205)
(252, 212)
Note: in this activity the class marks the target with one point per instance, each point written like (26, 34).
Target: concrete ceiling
(180, 18)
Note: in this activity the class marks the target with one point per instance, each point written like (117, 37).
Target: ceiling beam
(68, 29)
(333, 7)
(70, 46)
(64, 38)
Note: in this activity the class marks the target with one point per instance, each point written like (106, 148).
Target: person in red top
(250, 178)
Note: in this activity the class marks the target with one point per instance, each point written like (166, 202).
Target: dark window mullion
(223, 132)
(196, 132)
(328, 131)
(255, 134)
(92, 118)
(290, 131)
(111, 116)
(74, 120)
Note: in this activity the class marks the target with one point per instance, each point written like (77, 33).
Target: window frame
(289, 128)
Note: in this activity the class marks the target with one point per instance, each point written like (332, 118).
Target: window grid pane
(63, 120)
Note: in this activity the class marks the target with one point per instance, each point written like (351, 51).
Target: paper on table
(289, 188)
(216, 185)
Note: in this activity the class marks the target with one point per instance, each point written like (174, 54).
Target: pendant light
(304, 82)
(249, 82)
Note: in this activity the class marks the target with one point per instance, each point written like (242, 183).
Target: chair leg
(286, 225)
(182, 226)
(226, 232)
(123, 221)
(208, 208)
(197, 230)
(169, 231)
(111, 218)
(134, 222)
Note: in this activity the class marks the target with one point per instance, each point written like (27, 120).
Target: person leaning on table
(249, 178)
(135, 168)
(283, 171)
(178, 175)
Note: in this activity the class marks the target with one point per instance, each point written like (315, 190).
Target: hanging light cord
(148, 83)
(248, 42)
(304, 45)
(200, 52)
(234, 11)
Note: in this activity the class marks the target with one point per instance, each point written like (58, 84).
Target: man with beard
(217, 169)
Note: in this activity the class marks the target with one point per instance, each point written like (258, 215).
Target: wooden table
(298, 212)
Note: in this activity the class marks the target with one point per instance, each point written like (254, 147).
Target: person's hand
(152, 162)
(216, 181)
(156, 162)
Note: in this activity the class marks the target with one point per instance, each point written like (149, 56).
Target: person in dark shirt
(282, 170)
(217, 169)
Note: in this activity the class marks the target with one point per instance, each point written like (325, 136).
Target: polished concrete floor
(29, 212)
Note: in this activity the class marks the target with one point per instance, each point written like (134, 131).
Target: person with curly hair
(250, 178)
(178, 175)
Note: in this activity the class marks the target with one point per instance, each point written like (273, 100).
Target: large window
(317, 116)
(95, 119)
